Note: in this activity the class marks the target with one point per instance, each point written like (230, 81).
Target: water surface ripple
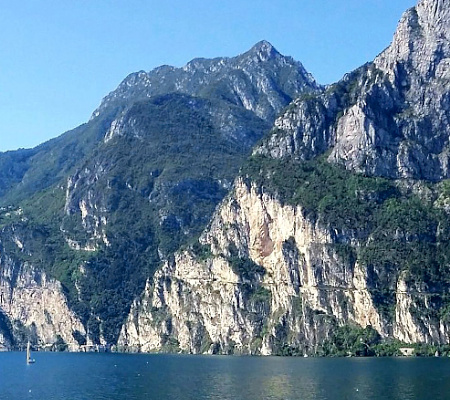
(65, 376)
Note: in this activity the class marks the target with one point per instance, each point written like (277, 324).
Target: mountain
(90, 215)
(389, 118)
(335, 237)
(260, 80)
(234, 206)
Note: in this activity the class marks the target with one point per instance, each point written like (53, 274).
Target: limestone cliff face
(33, 307)
(85, 208)
(303, 291)
(389, 118)
(416, 320)
(267, 276)
(142, 177)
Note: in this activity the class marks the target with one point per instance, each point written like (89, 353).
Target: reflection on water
(170, 377)
(276, 387)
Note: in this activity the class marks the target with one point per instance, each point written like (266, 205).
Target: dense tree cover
(339, 198)
(355, 341)
(172, 154)
(24, 173)
(13, 166)
(351, 340)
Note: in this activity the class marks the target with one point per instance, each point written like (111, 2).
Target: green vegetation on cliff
(354, 341)
(155, 183)
(397, 231)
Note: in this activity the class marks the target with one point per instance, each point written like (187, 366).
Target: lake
(92, 376)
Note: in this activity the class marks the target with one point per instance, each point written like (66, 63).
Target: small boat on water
(29, 359)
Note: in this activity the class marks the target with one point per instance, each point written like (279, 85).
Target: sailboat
(29, 359)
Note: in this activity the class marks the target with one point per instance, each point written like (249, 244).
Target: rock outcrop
(303, 289)
(34, 307)
(269, 277)
(261, 80)
(391, 117)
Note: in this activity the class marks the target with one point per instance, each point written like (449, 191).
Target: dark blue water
(136, 377)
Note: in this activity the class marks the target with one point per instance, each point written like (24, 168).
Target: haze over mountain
(176, 219)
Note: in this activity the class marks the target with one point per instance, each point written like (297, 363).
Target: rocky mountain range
(100, 207)
(236, 206)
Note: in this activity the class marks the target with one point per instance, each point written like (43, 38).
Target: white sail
(29, 359)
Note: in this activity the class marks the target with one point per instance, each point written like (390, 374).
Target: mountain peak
(261, 79)
(263, 45)
(264, 50)
(420, 41)
(435, 9)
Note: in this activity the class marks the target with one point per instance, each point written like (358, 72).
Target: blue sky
(59, 58)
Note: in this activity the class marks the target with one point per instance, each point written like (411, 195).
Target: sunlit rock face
(114, 198)
(34, 307)
(265, 277)
(304, 289)
(261, 80)
(389, 118)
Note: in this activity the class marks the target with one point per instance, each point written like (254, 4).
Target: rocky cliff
(33, 306)
(390, 117)
(103, 205)
(334, 236)
(261, 80)
(338, 220)
(268, 279)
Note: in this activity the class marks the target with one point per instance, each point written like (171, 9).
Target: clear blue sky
(59, 58)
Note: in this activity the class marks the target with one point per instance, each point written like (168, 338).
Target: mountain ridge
(376, 119)
(326, 245)
(135, 88)
(233, 72)
(138, 182)
(191, 227)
